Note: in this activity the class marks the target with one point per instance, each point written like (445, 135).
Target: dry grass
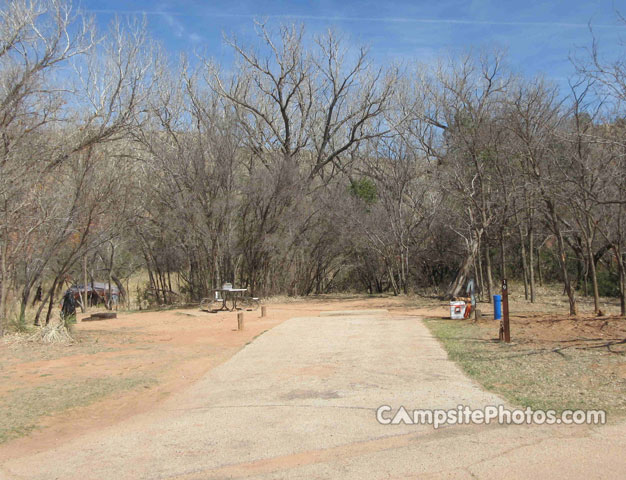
(541, 371)
(22, 409)
(53, 333)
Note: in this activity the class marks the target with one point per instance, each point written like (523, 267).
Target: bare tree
(35, 40)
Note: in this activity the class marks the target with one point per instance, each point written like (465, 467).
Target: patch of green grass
(537, 377)
(21, 408)
(19, 324)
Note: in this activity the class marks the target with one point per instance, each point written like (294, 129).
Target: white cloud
(195, 38)
(171, 18)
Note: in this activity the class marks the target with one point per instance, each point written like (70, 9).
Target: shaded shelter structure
(97, 293)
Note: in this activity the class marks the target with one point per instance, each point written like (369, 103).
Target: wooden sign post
(505, 312)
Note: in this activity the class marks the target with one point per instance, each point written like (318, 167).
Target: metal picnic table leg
(234, 302)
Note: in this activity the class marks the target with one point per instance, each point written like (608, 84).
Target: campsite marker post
(505, 312)
(240, 321)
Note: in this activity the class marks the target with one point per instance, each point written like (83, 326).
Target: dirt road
(300, 402)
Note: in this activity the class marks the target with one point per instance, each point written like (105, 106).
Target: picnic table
(228, 298)
(230, 295)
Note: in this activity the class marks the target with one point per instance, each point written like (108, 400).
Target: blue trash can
(497, 307)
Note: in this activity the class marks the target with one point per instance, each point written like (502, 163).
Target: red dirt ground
(177, 347)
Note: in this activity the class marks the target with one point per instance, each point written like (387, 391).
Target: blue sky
(538, 35)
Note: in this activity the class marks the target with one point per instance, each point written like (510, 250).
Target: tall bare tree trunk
(481, 276)
(566, 281)
(539, 272)
(110, 268)
(622, 299)
(457, 285)
(43, 303)
(524, 260)
(489, 274)
(51, 299)
(24, 302)
(502, 256)
(594, 277)
(4, 286)
(85, 293)
(392, 279)
(562, 255)
(531, 262)
(621, 266)
(404, 258)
